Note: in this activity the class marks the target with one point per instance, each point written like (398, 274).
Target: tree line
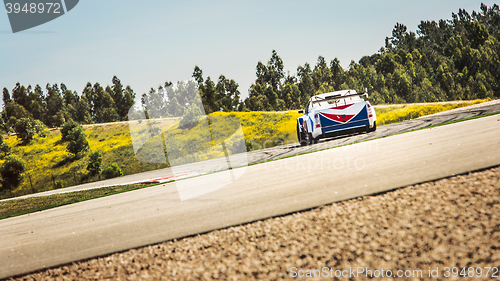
(57, 104)
(453, 59)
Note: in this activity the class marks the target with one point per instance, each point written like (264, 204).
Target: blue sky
(146, 43)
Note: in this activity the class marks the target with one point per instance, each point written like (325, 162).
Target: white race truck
(333, 114)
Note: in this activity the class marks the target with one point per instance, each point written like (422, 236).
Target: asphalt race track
(155, 214)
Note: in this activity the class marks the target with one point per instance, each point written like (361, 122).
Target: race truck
(333, 114)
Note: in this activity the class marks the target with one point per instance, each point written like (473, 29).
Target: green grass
(19, 207)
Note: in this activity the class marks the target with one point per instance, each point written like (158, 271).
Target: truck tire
(310, 139)
(301, 136)
(374, 128)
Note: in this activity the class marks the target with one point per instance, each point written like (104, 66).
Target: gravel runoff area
(428, 228)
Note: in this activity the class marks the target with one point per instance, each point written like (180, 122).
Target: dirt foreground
(417, 232)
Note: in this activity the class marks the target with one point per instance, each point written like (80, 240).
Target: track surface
(156, 214)
(289, 149)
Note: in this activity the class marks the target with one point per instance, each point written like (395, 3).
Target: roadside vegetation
(49, 165)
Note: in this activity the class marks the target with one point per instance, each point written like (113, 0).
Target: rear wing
(338, 96)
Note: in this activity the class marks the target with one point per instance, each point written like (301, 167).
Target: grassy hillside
(49, 164)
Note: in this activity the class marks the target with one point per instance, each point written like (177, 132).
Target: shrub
(95, 163)
(12, 172)
(78, 143)
(4, 148)
(112, 171)
(25, 129)
(66, 128)
(40, 128)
